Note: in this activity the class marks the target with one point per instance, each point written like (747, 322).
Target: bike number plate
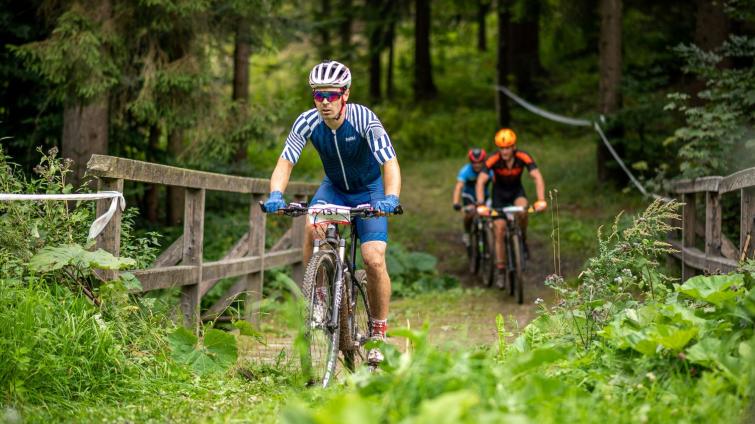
(328, 214)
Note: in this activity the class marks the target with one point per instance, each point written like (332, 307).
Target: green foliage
(74, 60)
(626, 263)
(414, 272)
(216, 352)
(716, 132)
(671, 355)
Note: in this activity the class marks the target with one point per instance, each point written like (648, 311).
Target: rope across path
(580, 123)
(99, 224)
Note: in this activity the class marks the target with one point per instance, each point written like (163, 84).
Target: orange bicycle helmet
(505, 137)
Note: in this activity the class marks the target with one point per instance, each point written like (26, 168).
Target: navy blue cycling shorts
(371, 229)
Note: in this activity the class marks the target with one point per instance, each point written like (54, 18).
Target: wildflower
(539, 301)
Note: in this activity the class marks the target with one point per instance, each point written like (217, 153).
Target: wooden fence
(719, 254)
(181, 264)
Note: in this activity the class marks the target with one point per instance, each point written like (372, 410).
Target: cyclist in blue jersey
(353, 146)
(465, 191)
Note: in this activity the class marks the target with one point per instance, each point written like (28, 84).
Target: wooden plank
(689, 218)
(697, 185)
(110, 237)
(728, 248)
(238, 250)
(254, 281)
(232, 267)
(737, 181)
(225, 300)
(298, 237)
(747, 221)
(712, 224)
(697, 259)
(192, 253)
(134, 170)
(172, 255)
(284, 257)
(167, 277)
(283, 243)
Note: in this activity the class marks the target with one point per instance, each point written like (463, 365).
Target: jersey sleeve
(372, 130)
(300, 132)
(527, 160)
(492, 160)
(462, 175)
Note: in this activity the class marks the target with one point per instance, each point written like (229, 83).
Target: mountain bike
(513, 243)
(337, 308)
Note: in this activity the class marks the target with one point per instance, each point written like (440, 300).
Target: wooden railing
(181, 264)
(720, 254)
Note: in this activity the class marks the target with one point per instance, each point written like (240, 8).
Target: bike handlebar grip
(398, 211)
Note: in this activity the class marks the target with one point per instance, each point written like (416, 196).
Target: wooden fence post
(256, 241)
(689, 218)
(747, 222)
(712, 225)
(298, 229)
(192, 252)
(110, 237)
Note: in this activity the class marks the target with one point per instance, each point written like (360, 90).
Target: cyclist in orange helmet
(507, 166)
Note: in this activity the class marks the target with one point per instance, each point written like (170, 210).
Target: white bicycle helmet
(330, 74)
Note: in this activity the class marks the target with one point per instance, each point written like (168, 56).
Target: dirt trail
(467, 317)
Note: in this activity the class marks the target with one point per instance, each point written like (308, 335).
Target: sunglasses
(330, 96)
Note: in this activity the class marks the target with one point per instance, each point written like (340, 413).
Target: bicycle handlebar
(299, 209)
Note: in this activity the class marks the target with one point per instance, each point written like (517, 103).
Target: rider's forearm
(457, 192)
(539, 185)
(392, 177)
(480, 189)
(281, 174)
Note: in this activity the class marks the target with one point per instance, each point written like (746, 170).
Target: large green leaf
(674, 338)
(54, 258)
(715, 289)
(217, 353)
(101, 259)
(422, 262)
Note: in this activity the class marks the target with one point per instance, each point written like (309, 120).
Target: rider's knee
(374, 255)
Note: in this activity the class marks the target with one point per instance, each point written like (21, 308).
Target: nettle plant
(625, 271)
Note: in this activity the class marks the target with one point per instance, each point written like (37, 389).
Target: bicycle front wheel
(516, 271)
(473, 250)
(320, 351)
(356, 323)
(487, 249)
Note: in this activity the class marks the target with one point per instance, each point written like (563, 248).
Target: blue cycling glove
(274, 202)
(387, 205)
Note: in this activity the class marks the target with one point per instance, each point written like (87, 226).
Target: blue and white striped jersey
(352, 154)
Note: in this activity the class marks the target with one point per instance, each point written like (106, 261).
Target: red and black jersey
(510, 178)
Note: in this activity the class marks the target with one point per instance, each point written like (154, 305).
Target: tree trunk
(424, 88)
(375, 37)
(151, 204)
(86, 122)
(241, 54)
(391, 41)
(524, 49)
(346, 14)
(323, 21)
(85, 132)
(502, 67)
(175, 194)
(610, 72)
(483, 7)
(712, 28)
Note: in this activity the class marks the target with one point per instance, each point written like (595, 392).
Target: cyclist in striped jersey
(353, 146)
